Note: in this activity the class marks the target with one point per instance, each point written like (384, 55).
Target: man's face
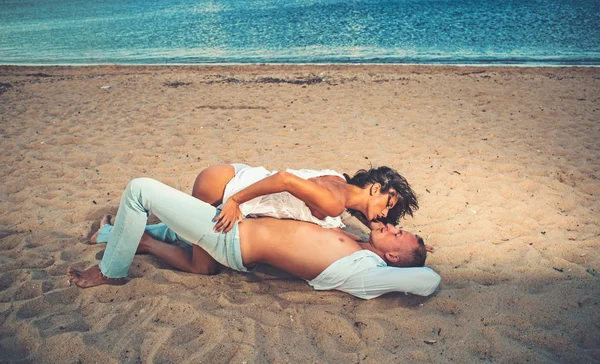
(389, 239)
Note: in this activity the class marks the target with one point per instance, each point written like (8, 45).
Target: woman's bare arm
(316, 197)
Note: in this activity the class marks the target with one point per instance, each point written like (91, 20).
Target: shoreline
(308, 69)
(234, 64)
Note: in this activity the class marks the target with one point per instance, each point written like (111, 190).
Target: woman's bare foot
(92, 277)
(105, 220)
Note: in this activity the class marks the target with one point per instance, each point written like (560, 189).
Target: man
(327, 259)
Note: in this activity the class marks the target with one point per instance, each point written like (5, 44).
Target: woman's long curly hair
(388, 178)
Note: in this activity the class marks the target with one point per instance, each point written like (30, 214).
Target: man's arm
(376, 281)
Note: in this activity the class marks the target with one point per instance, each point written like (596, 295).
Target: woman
(320, 197)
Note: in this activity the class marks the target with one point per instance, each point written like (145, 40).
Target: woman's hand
(228, 216)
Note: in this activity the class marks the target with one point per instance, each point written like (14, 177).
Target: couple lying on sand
(297, 228)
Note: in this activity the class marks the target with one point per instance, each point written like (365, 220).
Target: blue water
(302, 31)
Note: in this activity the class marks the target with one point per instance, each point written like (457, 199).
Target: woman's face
(380, 203)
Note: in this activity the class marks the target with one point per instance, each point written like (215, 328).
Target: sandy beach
(505, 162)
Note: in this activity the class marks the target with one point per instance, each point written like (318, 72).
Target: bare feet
(105, 220)
(92, 277)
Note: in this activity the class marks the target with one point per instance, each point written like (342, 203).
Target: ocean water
(551, 32)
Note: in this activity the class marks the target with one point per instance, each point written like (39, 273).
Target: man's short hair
(416, 258)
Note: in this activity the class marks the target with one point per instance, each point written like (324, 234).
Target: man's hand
(228, 216)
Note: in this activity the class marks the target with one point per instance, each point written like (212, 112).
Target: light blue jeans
(158, 231)
(185, 215)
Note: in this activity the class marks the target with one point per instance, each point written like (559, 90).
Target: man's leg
(189, 217)
(160, 232)
(101, 236)
(158, 240)
(208, 187)
(199, 262)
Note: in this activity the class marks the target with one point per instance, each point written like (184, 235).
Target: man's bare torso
(300, 248)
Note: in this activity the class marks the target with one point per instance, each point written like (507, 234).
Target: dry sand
(505, 161)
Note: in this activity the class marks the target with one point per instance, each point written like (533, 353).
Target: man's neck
(369, 247)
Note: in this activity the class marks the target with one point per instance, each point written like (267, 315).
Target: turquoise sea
(549, 32)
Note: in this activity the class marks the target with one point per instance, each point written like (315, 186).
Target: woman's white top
(282, 205)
